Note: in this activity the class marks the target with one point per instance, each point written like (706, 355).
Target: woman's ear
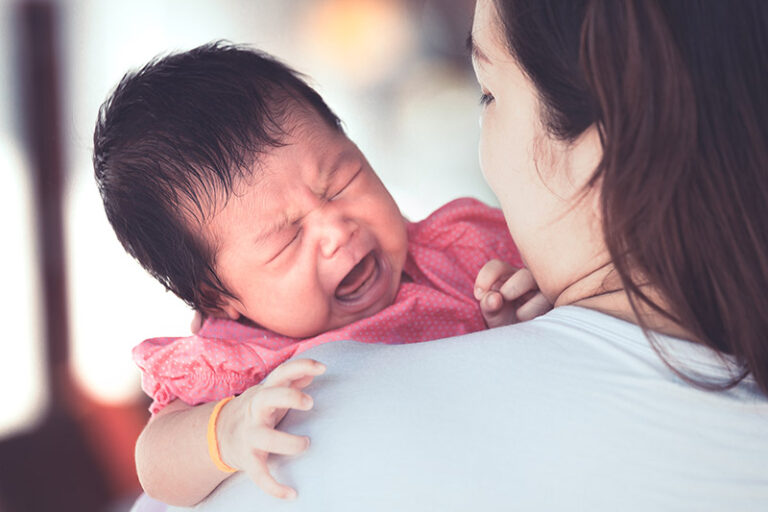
(586, 154)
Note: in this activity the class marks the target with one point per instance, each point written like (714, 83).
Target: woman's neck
(601, 290)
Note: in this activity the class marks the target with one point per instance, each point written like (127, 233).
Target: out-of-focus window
(22, 381)
(114, 303)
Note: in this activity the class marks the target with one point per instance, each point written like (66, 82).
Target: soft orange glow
(364, 39)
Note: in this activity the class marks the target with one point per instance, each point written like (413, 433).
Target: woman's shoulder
(609, 334)
(604, 347)
(572, 407)
(568, 342)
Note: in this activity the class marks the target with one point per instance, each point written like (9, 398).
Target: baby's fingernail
(307, 401)
(290, 495)
(478, 292)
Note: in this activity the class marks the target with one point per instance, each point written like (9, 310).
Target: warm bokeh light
(365, 40)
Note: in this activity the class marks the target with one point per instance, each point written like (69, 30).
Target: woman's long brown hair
(679, 93)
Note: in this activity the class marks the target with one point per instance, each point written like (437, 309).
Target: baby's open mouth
(356, 283)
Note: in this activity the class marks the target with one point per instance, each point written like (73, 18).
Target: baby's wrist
(224, 425)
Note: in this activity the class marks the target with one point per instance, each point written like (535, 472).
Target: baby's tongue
(356, 277)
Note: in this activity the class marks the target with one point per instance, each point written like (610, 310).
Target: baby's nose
(336, 233)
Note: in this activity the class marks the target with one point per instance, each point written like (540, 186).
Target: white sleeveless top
(571, 411)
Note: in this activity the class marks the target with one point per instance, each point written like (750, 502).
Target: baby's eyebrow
(328, 172)
(283, 221)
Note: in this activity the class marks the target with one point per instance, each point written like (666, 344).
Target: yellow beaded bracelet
(213, 443)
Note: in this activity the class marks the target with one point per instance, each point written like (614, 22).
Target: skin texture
(288, 237)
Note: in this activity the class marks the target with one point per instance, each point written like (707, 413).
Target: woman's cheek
(489, 150)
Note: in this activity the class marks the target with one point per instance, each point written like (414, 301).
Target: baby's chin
(346, 320)
(373, 311)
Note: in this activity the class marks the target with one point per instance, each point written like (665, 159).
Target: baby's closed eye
(346, 184)
(287, 239)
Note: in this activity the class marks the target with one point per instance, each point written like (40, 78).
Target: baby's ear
(228, 307)
(225, 311)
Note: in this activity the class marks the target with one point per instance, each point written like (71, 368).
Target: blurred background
(395, 71)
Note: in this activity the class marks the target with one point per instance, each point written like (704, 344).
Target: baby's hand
(245, 428)
(508, 295)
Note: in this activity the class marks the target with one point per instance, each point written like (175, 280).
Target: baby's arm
(508, 295)
(172, 457)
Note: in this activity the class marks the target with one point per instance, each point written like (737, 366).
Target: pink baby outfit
(445, 253)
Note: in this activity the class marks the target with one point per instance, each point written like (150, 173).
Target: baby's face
(313, 241)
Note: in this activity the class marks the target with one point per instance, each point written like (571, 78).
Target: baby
(231, 181)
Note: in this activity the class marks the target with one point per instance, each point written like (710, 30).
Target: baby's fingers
(536, 306)
(495, 312)
(281, 443)
(491, 303)
(269, 399)
(302, 382)
(297, 369)
(518, 285)
(489, 275)
(259, 473)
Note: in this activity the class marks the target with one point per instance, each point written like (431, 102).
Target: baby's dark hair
(172, 140)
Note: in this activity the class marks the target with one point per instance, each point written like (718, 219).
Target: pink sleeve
(196, 369)
(224, 358)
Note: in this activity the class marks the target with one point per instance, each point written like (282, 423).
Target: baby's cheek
(305, 319)
(398, 239)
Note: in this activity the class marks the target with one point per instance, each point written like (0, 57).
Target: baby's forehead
(308, 141)
(309, 149)
(302, 123)
(305, 146)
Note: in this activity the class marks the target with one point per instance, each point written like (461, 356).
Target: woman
(654, 112)
(626, 141)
